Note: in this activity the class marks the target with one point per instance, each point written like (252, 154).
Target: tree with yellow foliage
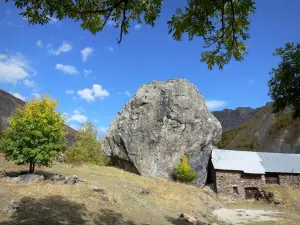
(35, 134)
(184, 172)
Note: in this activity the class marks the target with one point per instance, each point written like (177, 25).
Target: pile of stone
(61, 179)
(22, 179)
(30, 178)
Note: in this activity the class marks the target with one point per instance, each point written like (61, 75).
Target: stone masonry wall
(289, 179)
(227, 180)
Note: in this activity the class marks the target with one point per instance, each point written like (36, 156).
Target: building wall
(227, 180)
(289, 179)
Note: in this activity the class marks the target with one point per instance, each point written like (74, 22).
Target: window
(235, 190)
(250, 176)
(272, 178)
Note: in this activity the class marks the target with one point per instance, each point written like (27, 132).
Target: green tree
(222, 24)
(87, 148)
(284, 85)
(35, 134)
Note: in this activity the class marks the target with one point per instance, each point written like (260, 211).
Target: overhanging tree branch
(123, 21)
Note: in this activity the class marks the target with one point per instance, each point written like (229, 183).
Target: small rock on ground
(146, 191)
(102, 192)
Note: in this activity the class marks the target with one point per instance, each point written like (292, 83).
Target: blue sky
(93, 77)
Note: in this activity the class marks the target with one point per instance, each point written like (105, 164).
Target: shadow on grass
(177, 221)
(56, 210)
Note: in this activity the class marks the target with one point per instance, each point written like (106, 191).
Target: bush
(184, 172)
(87, 148)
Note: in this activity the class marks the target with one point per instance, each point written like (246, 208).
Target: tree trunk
(31, 167)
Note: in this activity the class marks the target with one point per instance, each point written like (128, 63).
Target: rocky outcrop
(160, 124)
(8, 103)
(231, 118)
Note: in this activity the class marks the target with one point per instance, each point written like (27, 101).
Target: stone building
(242, 174)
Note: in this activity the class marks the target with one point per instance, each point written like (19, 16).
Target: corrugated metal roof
(256, 162)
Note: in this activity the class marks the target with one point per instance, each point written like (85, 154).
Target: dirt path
(241, 216)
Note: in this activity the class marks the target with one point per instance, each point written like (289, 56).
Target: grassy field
(78, 204)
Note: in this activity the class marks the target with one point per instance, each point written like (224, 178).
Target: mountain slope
(8, 103)
(265, 132)
(231, 118)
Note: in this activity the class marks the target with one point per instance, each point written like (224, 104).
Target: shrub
(35, 134)
(184, 172)
(87, 148)
(229, 135)
(280, 122)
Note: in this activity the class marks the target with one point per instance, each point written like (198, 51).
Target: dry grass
(58, 204)
(78, 204)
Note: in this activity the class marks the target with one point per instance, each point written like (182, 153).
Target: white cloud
(14, 68)
(36, 95)
(109, 49)
(86, 94)
(127, 93)
(17, 95)
(96, 121)
(99, 91)
(48, 46)
(78, 118)
(74, 126)
(75, 111)
(69, 92)
(52, 19)
(137, 26)
(87, 72)
(102, 131)
(66, 69)
(251, 81)
(39, 43)
(111, 23)
(215, 104)
(65, 47)
(74, 98)
(95, 92)
(29, 83)
(86, 52)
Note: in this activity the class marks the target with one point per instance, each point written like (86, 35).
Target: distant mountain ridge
(231, 118)
(8, 103)
(265, 131)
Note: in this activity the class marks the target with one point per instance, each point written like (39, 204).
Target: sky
(93, 77)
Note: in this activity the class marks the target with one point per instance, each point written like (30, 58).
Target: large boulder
(160, 124)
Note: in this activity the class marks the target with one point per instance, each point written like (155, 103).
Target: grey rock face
(160, 124)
